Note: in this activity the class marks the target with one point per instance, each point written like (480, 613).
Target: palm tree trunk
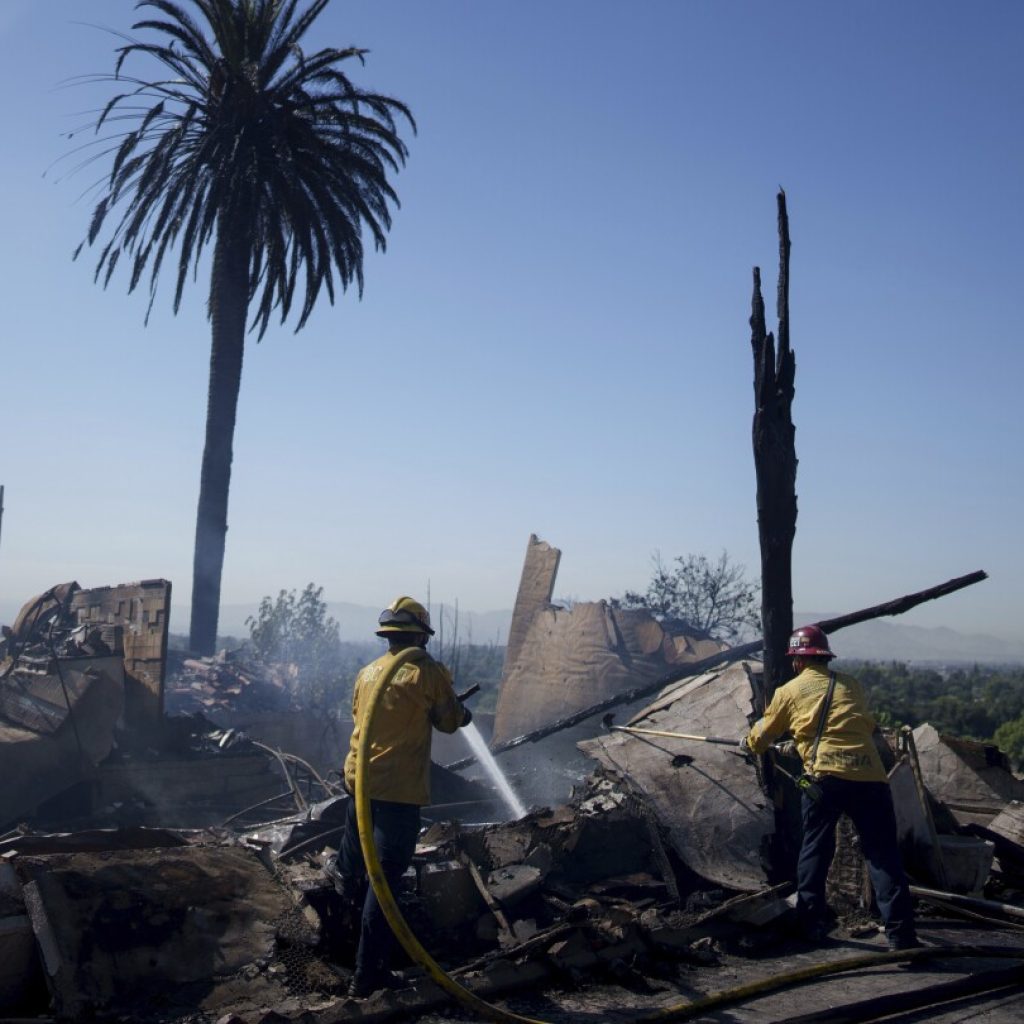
(228, 307)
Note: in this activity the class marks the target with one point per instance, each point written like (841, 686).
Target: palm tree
(271, 153)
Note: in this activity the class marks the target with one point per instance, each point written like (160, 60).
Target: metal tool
(803, 782)
(609, 718)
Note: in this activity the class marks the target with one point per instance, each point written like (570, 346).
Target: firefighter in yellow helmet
(418, 699)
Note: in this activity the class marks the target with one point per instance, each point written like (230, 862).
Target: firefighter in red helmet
(826, 713)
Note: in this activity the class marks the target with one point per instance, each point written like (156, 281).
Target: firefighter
(418, 698)
(842, 761)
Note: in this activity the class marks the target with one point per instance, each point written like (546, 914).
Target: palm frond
(244, 133)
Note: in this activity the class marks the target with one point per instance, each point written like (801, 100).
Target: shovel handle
(675, 735)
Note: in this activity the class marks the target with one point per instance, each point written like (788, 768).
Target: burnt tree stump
(775, 463)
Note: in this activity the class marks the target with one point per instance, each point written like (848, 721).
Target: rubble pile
(161, 922)
(148, 923)
(84, 737)
(62, 693)
(169, 926)
(230, 681)
(206, 899)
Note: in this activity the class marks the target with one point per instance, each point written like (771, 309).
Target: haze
(556, 340)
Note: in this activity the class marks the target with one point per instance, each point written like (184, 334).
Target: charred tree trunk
(775, 464)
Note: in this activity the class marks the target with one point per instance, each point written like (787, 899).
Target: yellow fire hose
(675, 1012)
(375, 872)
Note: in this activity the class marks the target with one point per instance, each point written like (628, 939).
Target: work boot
(899, 943)
(362, 986)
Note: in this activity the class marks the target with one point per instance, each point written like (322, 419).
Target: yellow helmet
(404, 615)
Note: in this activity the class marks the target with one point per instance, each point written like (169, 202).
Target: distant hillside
(880, 640)
(892, 640)
(358, 622)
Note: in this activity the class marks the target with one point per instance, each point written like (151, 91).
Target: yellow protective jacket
(420, 696)
(846, 746)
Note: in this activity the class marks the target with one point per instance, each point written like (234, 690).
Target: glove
(468, 716)
(787, 748)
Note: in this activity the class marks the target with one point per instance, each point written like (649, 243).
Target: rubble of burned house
(229, 681)
(83, 730)
(185, 880)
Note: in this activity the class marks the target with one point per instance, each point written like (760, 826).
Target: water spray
(486, 759)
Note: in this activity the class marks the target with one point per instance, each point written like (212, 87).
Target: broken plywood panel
(712, 806)
(125, 927)
(577, 657)
(536, 587)
(973, 779)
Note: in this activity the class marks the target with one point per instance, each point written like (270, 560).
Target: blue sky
(556, 340)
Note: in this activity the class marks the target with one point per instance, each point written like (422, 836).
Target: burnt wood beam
(902, 604)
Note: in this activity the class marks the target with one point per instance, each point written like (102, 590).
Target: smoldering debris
(84, 734)
(230, 681)
(668, 859)
(210, 923)
(161, 922)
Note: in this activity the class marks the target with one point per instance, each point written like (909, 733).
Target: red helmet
(809, 641)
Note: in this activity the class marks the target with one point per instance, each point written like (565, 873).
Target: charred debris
(169, 867)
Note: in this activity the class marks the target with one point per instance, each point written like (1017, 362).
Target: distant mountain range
(879, 640)
(892, 640)
(358, 622)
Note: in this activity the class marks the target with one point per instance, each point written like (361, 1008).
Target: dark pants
(869, 806)
(395, 828)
